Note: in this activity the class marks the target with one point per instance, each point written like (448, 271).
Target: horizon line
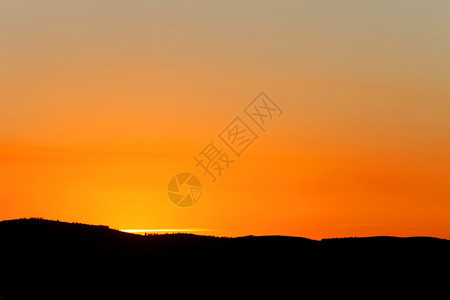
(166, 230)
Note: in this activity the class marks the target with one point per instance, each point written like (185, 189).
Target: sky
(102, 103)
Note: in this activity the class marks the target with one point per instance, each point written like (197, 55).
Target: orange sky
(101, 104)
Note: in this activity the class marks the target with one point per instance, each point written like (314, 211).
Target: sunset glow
(102, 103)
(187, 230)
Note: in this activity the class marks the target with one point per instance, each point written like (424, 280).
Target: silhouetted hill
(40, 257)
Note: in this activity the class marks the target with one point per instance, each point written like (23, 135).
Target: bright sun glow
(143, 231)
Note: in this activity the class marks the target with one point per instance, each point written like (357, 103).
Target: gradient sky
(102, 102)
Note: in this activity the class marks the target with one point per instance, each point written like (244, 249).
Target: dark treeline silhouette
(43, 257)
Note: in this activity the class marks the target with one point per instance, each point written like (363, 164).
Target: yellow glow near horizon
(142, 231)
(103, 102)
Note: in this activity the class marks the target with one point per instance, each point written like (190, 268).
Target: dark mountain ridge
(36, 252)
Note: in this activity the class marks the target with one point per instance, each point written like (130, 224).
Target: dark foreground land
(42, 258)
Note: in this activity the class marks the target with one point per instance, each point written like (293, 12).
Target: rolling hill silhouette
(41, 257)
